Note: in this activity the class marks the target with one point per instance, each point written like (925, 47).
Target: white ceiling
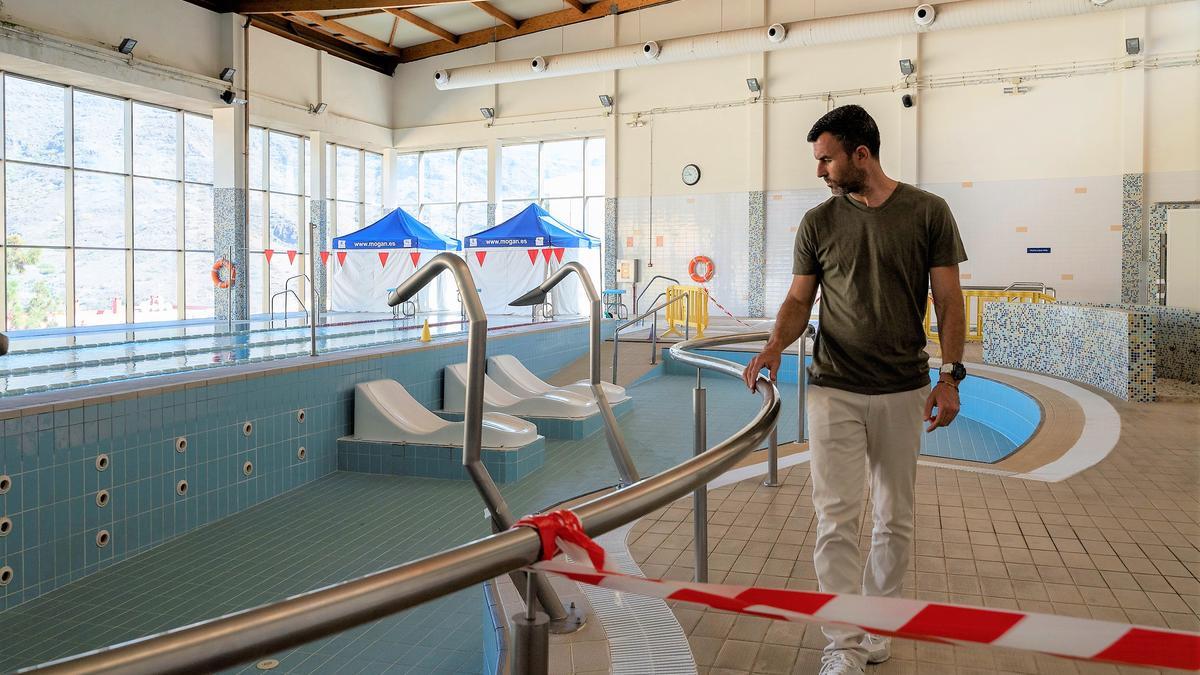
(458, 18)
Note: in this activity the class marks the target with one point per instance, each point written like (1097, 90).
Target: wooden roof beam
(341, 31)
(579, 6)
(498, 14)
(423, 24)
(563, 17)
(298, 32)
(280, 6)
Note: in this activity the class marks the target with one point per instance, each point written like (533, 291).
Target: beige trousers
(845, 429)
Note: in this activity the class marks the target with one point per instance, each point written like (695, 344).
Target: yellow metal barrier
(973, 303)
(694, 310)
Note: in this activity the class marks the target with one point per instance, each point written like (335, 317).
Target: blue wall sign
(1038, 249)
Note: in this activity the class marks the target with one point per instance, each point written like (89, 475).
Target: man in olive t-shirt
(874, 248)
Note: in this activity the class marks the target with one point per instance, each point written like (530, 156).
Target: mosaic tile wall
(318, 212)
(610, 243)
(1132, 206)
(1110, 349)
(51, 453)
(757, 236)
(1158, 230)
(229, 232)
(1176, 339)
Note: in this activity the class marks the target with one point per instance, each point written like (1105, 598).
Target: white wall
(1041, 169)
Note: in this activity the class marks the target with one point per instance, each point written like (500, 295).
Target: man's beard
(852, 183)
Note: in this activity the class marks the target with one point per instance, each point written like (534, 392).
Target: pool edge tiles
(51, 445)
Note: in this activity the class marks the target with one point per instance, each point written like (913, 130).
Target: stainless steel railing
(638, 298)
(236, 638)
(687, 327)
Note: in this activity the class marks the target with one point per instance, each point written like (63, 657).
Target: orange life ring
(230, 276)
(708, 269)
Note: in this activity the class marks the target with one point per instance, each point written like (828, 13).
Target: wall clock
(691, 174)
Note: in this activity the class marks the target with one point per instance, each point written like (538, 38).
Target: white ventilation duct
(949, 16)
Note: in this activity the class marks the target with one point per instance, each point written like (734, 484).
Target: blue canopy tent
(369, 262)
(519, 253)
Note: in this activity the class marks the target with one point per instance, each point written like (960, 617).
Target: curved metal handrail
(236, 638)
(638, 299)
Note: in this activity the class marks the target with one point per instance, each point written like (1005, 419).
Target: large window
(107, 209)
(278, 234)
(565, 177)
(445, 189)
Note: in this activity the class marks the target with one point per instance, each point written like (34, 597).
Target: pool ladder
(285, 292)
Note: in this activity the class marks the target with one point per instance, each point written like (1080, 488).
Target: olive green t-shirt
(873, 267)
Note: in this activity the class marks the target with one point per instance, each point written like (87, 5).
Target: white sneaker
(879, 649)
(839, 663)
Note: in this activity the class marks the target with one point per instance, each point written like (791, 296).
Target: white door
(1183, 252)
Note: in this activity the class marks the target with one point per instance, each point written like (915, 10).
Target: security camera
(924, 15)
(907, 101)
(231, 99)
(650, 50)
(538, 64)
(441, 77)
(776, 33)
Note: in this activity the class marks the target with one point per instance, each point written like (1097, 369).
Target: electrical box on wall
(629, 271)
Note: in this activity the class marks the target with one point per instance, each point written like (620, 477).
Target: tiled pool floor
(344, 526)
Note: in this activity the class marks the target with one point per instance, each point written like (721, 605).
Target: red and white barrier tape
(1085, 639)
(722, 307)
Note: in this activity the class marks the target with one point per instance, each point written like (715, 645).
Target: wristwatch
(956, 371)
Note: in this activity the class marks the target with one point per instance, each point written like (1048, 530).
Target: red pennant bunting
(416, 257)
(383, 255)
(558, 254)
(268, 253)
(324, 257)
(341, 258)
(546, 253)
(291, 256)
(480, 255)
(532, 256)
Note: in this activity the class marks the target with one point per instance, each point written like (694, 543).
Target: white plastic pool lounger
(560, 404)
(511, 374)
(385, 411)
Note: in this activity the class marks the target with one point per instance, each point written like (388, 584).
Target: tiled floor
(1116, 542)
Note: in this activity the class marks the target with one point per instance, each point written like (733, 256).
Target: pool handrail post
(612, 432)
(473, 411)
(639, 319)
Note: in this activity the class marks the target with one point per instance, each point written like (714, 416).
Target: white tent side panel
(504, 275)
(361, 283)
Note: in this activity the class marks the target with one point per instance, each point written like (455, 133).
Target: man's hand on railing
(767, 358)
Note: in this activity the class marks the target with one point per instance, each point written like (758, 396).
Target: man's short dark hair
(851, 126)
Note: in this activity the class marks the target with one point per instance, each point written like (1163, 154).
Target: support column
(318, 211)
(910, 121)
(756, 176)
(493, 191)
(611, 249)
(229, 209)
(1138, 270)
(390, 201)
(230, 231)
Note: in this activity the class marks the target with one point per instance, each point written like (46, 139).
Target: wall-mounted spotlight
(227, 74)
(753, 85)
(318, 108)
(229, 98)
(907, 67)
(127, 45)
(606, 100)
(488, 113)
(1133, 46)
